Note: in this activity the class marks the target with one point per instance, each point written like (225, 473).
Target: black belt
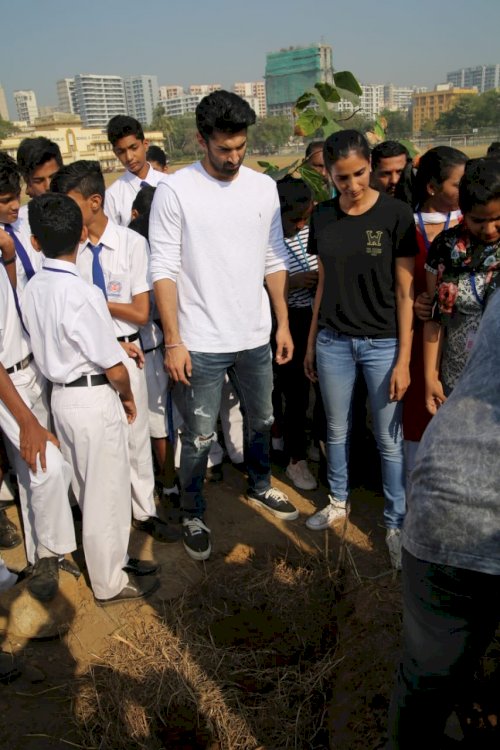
(88, 380)
(153, 349)
(129, 339)
(22, 365)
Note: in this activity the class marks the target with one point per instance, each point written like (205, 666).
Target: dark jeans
(250, 372)
(449, 618)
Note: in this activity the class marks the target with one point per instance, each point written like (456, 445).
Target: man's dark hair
(56, 222)
(480, 184)
(33, 152)
(84, 176)
(313, 147)
(387, 150)
(142, 204)
(339, 145)
(294, 194)
(225, 112)
(155, 153)
(493, 151)
(10, 178)
(121, 126)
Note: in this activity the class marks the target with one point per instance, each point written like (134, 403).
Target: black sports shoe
(43, 582)
(196, 538)
(276, 503)
(141, 567)
(9, 538)
(136, 588)
(160, 530)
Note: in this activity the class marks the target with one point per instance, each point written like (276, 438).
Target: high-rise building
(203, 89)
(400, 97)
(4, 110)
(254, 92)
(292, 71)
(372, 99)
(170, 91)
(484, 77)
(429, 105)
(98, 98)
(66, 95)
(141, 94)
(181, 105)
(27, 108)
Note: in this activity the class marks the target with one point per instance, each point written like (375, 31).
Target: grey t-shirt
(453, 513)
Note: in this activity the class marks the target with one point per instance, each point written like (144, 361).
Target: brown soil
(276, 642)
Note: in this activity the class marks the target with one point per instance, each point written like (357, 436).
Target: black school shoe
(136, 588)
(43, 582)
(9, 538)
(141, 567)
(9, 669)
(160, 530)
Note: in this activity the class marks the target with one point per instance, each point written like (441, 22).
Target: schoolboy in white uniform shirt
(127, 138)
(75, 345)
(123, 264)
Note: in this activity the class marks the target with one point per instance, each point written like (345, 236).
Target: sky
(189, 41)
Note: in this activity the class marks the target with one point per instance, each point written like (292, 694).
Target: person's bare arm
(119, 379)
(136, 312)
(177, 359)
(309, 360)
(277, 287)
(400, 377)
(433, 346)
(33, 437)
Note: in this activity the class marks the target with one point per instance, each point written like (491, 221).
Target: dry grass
(245, 661)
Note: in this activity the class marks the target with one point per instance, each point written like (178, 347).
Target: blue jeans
(337, 357)
(251, 374)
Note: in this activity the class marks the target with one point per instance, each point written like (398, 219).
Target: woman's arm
(400, 378)
(310, 357)
(433, 347)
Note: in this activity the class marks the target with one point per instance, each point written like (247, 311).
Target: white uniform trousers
(142, 476)
(92, 428)
(45, 507)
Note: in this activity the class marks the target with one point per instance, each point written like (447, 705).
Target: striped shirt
(299, 261)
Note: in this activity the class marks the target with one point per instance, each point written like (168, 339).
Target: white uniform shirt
(14, 343)
(218, 240)
(121, 194)
(71, 330)
(125, 263)
(22, 231)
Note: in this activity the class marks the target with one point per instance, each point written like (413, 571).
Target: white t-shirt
(218, 240)
(121, 194)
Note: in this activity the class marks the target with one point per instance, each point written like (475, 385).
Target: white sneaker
(393, 541)
(334, 511)
(301, 476)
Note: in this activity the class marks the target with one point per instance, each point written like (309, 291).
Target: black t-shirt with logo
(358, 255)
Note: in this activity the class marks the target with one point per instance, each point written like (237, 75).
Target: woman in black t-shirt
(363, 308)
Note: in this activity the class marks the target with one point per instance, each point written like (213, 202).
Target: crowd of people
(132, 315)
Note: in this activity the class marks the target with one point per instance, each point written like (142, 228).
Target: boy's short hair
(121, 126)
(312, 147)
(480, 184)
(387, 150)
(294, 194)
(33, 152)
(155, 153)
(56, 222)
(142, 204)
(83, 176)
(10, 177)
(223, 111)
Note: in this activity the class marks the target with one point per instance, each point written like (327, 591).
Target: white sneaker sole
(284, 515)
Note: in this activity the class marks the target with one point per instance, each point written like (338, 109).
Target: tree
(398, 123)
(7, 128)
(162, 122)
(461, 118)
(268, 134)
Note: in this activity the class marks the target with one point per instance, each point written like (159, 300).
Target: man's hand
(284, 345)
(303, 280)
(309, 364)
(422, 307)
(134, 352)
(400, 380)
(33, 439)
(434, 396)
(129, 408)
(177, 363)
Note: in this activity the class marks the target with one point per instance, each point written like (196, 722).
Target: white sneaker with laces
(301, 476)
(334, 511)
(393, 541)
(196, 538)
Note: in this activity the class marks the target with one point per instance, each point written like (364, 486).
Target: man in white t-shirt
(216, 238)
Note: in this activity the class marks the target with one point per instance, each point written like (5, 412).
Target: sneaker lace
(276, 495)
(196, 526)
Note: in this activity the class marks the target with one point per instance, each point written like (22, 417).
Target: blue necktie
(144, 183)
(97, 273)
(21, 252)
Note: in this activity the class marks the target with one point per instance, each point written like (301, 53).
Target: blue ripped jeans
(250, 372)
(337, 357)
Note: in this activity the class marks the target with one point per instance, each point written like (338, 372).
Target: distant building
(27, 108)
(181, 105)
(4, 110)
(66, 95)
(399, 98)
(483, 77)
(141, 95)
(98, 98)
(292, 71)
(429, 105)
(372, 99)
(169, 92)
(203, 89)
(254, 92)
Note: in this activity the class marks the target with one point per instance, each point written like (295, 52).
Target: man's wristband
(8, 262)
(173, 346)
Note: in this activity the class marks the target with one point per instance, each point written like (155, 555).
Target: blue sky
(184, 41)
